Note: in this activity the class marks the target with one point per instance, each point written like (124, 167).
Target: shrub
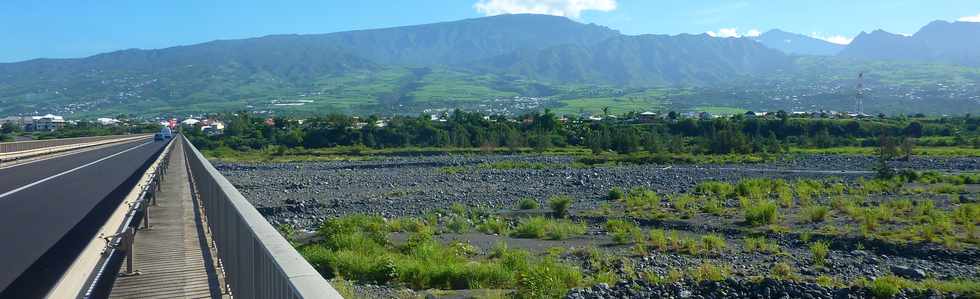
(494, 226)
(623, 232)
(713, 243)
(540, 227)
(816, 213)
(683, 204)
(458, 224)
(658, 238)
(827, 281)
(947, 188)
(819, 249)
(413, 225)
(783, 270)
(559, 205)
(760, 212)
(760, 244)
(714, 188)
(713, 206)
(615, 194)
(548, 279)
(457, 209)
(885, 287)
(709, 272)
(528, 203)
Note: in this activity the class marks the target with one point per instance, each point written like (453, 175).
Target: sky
(78, 28)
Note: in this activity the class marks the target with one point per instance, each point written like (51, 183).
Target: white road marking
(70, 171)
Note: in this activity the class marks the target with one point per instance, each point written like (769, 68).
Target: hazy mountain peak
(793, 43)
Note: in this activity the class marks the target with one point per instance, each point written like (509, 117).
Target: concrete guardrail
(10, 147)
(257, 261)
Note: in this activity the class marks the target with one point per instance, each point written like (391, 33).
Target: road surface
(50, 209)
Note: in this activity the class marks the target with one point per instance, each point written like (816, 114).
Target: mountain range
(397, 63)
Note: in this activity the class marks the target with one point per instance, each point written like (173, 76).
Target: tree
(907, 144)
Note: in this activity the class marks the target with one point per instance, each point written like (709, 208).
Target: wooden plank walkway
(171, 257)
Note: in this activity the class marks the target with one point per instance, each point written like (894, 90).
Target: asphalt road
(50, 209)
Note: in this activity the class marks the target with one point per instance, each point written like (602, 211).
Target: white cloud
(565, 8)
(837, 39)
(733, 32)
(975, 18)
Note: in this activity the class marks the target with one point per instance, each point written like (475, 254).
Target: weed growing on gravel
(559, 205)
(452, 169)
(713, 244)
(947, 188)
(783, 271)
(623, 232)
(760, 244)
(783, 192)
(683, 203)
(713, 206)
(658, 239)
(641, 199)
(815, 213)
(759, 212)
(819, 250)
(714, 188)
(709, 272)
(355, 248)
(413, 225)
(458, 224)
(528, 203)
(457, 209)
(615, 194)
(886, 287)
(756, 188)
(494, 226)
(827, 281)
(540, 228)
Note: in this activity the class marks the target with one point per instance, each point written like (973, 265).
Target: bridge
(132, 217)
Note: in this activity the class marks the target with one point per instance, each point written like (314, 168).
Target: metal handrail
(100, 279)
(257, 260)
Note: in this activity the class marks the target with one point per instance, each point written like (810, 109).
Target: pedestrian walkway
(171, 257)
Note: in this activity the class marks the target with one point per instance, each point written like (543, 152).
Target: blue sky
(77, 28)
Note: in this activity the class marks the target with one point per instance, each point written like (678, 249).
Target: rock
(908, 272)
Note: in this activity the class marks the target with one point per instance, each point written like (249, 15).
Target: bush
(528, 203)
(709, 272)
(658, 238)
(458, 224)
(559, 205)
(713, 243)
(540, 227)
(816, 213)
(548, 279)
(494, 226)
(819, 249)
(947, 188)
(760, 212)
(682, 203)
(615, 194)
(885, 287)
(783, 270)
(760, 244)
(623, 232)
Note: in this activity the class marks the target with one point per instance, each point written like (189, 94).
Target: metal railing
(257, 261)
(10, 147)
(119, 245)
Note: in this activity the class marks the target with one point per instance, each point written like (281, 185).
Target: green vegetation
(623, 232)
(760, 212)
(819, 250)
(356, 248)
(559, 205)
(528, 203)
(760, 244)
(545, 228)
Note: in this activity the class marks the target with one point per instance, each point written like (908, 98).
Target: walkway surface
(171, 256)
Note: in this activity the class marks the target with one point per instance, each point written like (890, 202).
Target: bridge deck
(171, 257)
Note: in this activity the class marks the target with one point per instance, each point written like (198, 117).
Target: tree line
(460, 129)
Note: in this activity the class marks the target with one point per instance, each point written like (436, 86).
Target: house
(16, 121)
(105, 121)
(647, 116)
(47, 123)
(190, 122)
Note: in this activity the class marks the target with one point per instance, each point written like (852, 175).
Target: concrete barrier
(257, 261)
